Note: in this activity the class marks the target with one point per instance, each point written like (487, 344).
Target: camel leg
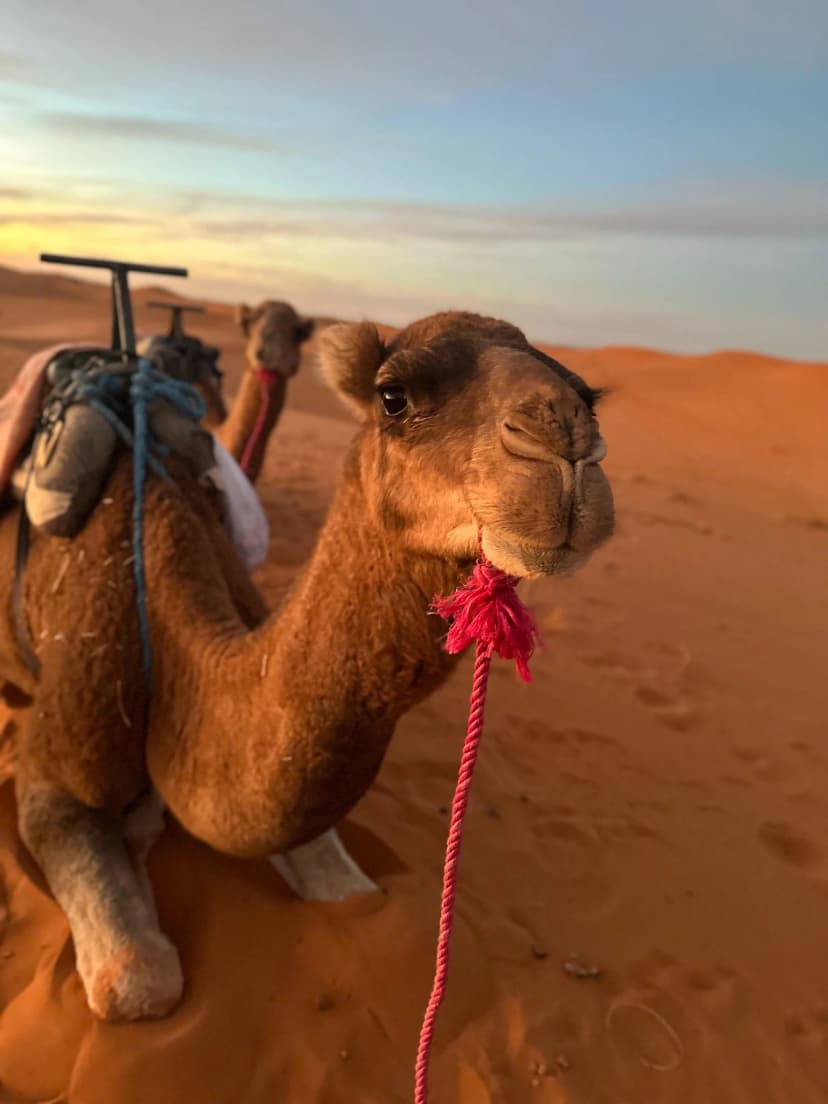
(129, 969)
(322, 870)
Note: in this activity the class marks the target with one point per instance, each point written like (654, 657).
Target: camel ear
(243, 316)
(350, 356)
(304, 330)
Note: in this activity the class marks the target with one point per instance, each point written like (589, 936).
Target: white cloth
(246, 522)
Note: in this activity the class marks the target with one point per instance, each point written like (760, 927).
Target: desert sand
(655, 802)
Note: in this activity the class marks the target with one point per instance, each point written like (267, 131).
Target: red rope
(468, 761)
(266, 381)
(488, 610)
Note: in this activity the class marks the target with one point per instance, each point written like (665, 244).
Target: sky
(598, 172)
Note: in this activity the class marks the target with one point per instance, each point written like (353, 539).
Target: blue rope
(121, 398)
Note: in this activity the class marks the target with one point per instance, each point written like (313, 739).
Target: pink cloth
(20, 405)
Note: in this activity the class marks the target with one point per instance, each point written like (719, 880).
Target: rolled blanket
(245, 519)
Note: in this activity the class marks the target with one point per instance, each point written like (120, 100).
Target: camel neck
(248, 418)
(360, 615)
(289, 722)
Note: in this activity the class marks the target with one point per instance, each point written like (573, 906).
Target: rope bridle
(486, 610)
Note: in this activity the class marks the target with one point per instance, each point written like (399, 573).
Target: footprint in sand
(684, 499)
(660, 677)
(662, 689)
(615, 662)
(809, 1026)
(806, 1034)
(791, 846)
(814, 524)
(671, 712)
(583, 757)
(722, 991)
(651, 695)
(677, 523)
(764, 767)
(574, 858)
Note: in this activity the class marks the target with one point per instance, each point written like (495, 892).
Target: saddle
(181, 356)
(179, 353)
(80, 426)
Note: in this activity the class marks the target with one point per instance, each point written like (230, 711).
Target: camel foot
(322, 870)
(138, 982)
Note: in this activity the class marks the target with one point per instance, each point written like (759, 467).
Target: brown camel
(262, 732)
(275, 334)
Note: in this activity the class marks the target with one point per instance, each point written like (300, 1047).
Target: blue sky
(637, 173)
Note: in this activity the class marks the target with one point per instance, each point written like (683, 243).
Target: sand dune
(653, 803)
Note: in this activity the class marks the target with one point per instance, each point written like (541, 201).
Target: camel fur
(262, 732)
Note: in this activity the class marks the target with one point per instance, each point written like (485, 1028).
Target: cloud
(12, 65)
(425, 49)
(144, 128)
(712, 211)
(72, 218)
(14, 193)
(747, 211)
(786, 213)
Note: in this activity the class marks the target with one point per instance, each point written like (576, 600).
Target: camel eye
(394, 401)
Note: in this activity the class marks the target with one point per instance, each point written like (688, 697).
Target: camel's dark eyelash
(593, 395)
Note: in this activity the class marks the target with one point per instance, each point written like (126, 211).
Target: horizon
(146, 282)
(370, 168)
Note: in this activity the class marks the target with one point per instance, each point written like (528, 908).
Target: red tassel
(487, 609)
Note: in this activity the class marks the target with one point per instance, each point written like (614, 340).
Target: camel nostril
(526, 441)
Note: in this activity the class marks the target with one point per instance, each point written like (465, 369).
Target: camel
(260, 732)
(275, 334)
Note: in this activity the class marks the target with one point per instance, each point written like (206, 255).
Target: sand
(654, 803)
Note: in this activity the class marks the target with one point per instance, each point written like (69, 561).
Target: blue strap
(116, 396)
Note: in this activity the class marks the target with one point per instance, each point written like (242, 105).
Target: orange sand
(655, 802)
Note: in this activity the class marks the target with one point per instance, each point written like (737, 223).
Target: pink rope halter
(267, 379)
(487, 610)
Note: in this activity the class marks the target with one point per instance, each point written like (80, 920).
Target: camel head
(275, 333)
(190, 360)
(468, 429)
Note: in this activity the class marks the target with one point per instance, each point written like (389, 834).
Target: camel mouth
(525, 561)
(583, 535)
